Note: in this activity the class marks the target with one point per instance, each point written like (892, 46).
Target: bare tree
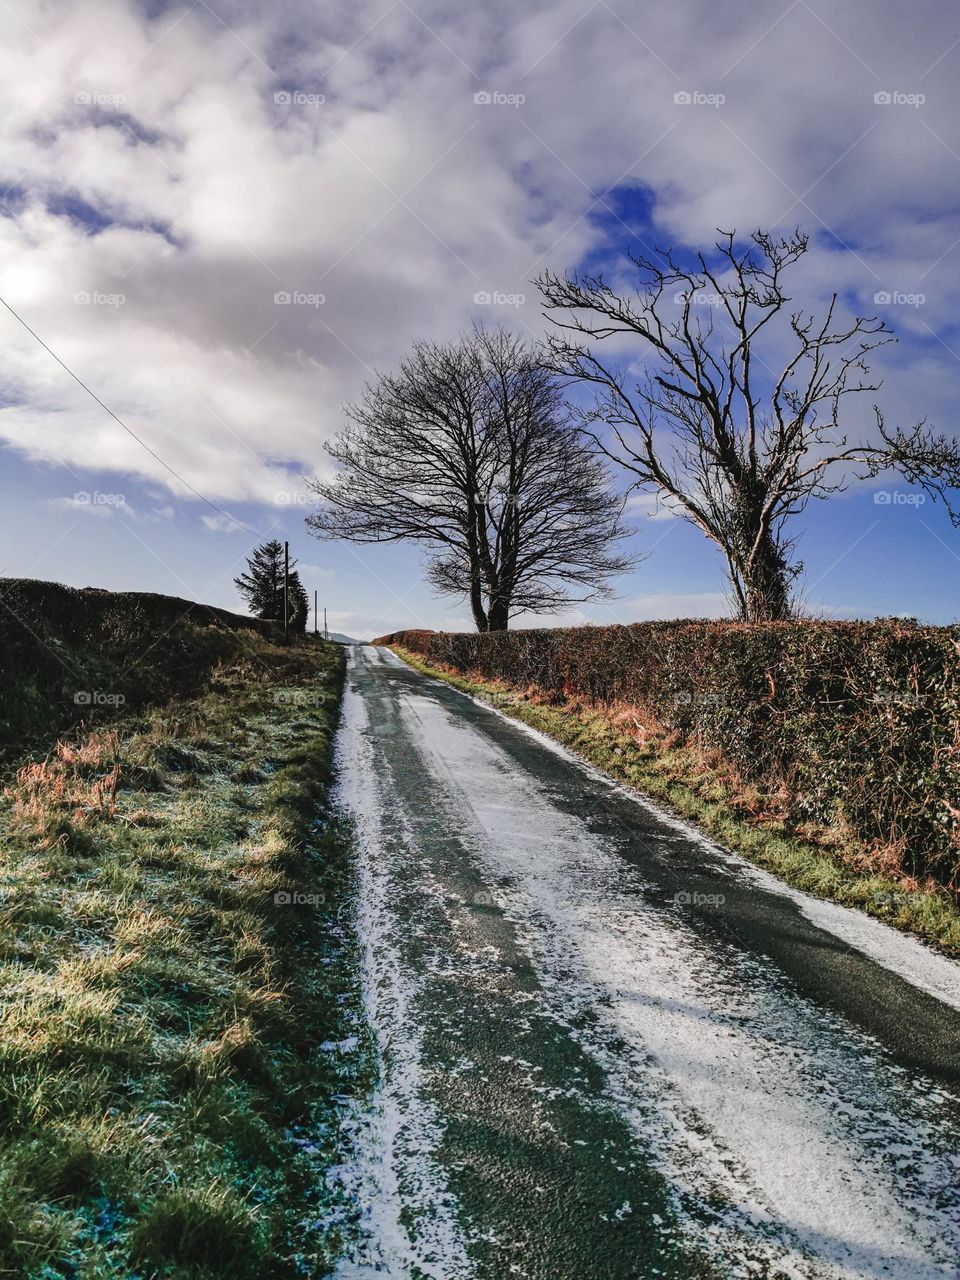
(737, 449)
(468, 449)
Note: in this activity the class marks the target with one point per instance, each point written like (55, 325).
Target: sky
(225, 217)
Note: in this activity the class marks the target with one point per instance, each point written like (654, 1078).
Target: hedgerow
(83, 654)
(850, 725)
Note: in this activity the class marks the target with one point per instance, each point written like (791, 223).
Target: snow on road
(898, 952)
(794, 1144)
(394, 1140)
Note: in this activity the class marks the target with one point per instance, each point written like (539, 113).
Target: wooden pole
(286, 592)
(316, 623)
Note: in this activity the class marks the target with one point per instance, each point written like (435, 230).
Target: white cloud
(220, 524)
(649, 506)
(669, 604)
(399, 198)
(83, 505)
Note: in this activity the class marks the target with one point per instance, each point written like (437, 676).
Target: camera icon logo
(482, 299)
(883, 98)
(283, 98)
(83, 698)
(883, 297)
(683, 98)
(882, 498)
(282, 899)
(282, 298)
(483, 98)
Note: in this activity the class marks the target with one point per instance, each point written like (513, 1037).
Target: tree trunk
(757, 561)
(476, 604)
(765, 583)
(499, 616)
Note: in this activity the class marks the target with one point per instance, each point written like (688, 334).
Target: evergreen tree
(262, 585)
(299, 604)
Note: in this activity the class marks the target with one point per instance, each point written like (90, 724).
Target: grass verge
(181, 1022)
(831, 866)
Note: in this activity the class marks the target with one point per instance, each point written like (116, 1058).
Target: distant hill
(342, 639)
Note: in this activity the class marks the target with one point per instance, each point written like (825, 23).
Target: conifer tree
(262, 586)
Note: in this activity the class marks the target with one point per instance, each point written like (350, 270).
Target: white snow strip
(900, 953)
(906, 956)
(393, 1170)
(836, 1158)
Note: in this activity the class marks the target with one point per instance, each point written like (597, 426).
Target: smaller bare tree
(738, 451)
(469, 450)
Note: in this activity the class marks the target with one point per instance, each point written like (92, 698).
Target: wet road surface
(609, 1048)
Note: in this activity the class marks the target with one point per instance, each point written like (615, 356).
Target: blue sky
(168, 171)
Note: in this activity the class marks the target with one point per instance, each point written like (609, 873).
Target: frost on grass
(162, 1102)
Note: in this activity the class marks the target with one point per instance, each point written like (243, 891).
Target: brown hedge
(855, 723)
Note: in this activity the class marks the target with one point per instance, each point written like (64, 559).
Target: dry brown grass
(830, 860)
(78, 782)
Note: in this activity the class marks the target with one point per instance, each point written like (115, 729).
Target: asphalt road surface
(611, 1049)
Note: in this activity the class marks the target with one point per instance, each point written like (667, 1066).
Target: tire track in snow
(550, 1182)
(408, 1215)
(818, 1139)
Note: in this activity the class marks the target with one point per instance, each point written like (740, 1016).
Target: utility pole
(286, 592)
(326, 633)
(316, 622)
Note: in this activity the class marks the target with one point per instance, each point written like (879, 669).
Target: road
(611, 1049)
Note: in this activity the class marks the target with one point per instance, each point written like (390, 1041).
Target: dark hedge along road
(610, 1049)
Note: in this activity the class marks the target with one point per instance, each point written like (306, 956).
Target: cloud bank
(226, 219)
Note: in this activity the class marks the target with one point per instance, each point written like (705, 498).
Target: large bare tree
(736, 448)
(469, 450)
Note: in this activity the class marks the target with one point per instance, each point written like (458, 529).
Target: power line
(130, 432)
